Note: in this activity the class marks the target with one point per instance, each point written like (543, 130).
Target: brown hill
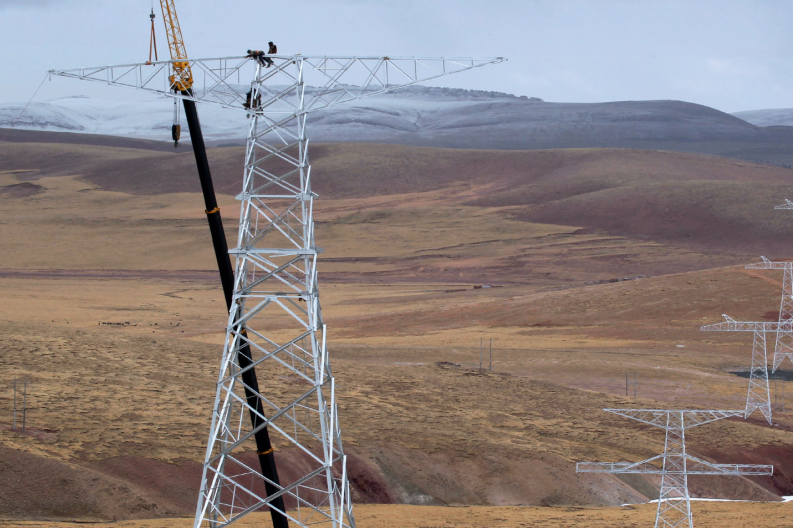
(687, 199)
(34, 136)
(112, 310)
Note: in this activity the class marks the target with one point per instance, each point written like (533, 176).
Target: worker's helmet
(249, 52)
(269, 43)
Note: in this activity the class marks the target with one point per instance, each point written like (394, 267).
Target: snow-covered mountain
(415, 115)
(767, 117)
(379, 118)
(445, 117)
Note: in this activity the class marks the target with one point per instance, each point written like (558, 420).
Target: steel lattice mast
(675, 464)
(275, 325)
(759, 395)
(783, 347)
(787, 205)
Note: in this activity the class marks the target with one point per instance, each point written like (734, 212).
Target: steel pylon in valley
(783, 347)
(276, 335)
(759, 395)
(675, 464)
(276, 313)
(787, 205)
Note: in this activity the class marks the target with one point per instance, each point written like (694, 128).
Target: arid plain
(111, 308)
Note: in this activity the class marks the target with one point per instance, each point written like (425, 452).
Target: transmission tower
(787, 205)
(758, 397)
(674, 465)
(275, 325)
(784, 337)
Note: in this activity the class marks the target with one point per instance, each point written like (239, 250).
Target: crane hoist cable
(181, 77)
(153, 38)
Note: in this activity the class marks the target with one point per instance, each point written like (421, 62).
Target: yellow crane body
(182, 77)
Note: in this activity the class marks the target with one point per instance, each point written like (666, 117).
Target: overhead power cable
(26, 107)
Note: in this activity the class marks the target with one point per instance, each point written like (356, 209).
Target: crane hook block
(176, 132)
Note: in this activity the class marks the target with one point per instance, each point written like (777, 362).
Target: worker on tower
(252, 103)
(260, 55)
(272, 51)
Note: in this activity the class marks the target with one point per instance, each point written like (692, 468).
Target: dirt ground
(707, 515)
(113, 312)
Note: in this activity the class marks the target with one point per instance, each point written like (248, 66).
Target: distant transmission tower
(758, 397)
(674, 465)
(784, 337)
(275, 325)
(787, 205)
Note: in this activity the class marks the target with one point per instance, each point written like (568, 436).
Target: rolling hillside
(598, 261)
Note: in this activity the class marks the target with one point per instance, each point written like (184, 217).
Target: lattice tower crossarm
(787, 205)
(675, 464)
(758, 396)
(277, 314)
(783, 346)
(218, 80)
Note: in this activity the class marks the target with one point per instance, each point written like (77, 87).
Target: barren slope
(120, 410)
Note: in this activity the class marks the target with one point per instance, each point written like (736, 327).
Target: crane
(181, 81)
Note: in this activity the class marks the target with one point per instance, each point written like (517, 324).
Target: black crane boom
(264, 447)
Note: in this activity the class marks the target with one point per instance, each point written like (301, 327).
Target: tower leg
(759, 397)
(784, 339)
(674, 503)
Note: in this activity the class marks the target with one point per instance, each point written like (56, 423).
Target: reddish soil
(781, 457)
(37, 487)
(136, 487)
(21, 190)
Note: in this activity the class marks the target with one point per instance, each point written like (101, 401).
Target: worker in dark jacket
(259, 55)
(255, 103)
(272, 51)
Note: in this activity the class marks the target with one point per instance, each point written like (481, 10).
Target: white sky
(731, 55)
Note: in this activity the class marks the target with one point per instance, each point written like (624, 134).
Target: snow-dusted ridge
(382, 115)
(443, 117)
(767, 117)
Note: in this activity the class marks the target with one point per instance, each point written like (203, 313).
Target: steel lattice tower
(275, 327)
(787, 205)
(675, 464)
(783, 347)
(759, 395)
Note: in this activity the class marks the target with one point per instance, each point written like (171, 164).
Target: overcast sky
(731, 55)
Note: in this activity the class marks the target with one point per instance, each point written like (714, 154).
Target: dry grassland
(405, 320)
(708, 515)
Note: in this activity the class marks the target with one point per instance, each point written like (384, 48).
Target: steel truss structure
(224, 80)
(787, 205)
(275, 325)
(674, 465)
(759, 395)
(783, 347)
